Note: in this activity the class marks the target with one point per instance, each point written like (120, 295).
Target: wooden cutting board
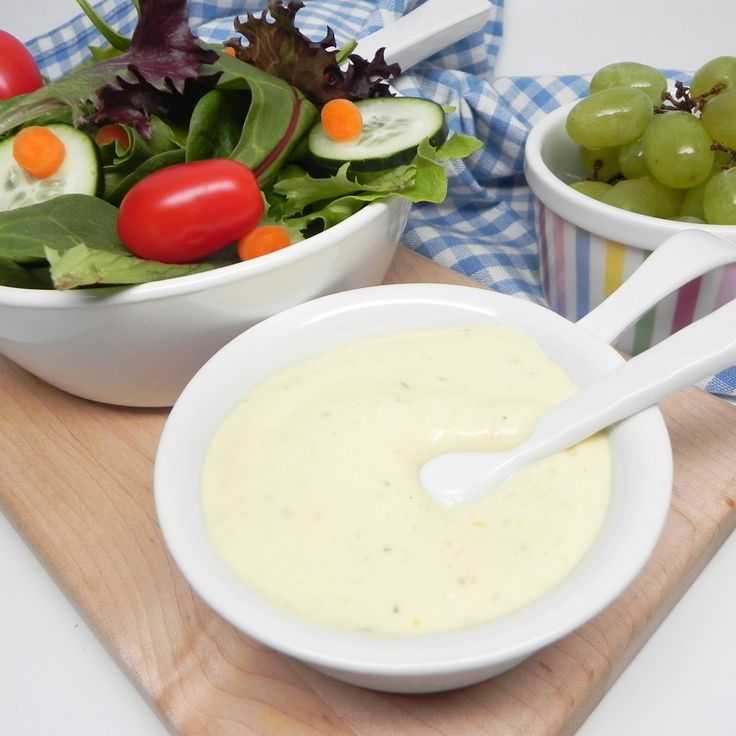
(76, 481)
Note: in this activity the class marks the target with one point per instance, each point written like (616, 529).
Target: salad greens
(278, 116)
(71, 241)
(180, 100)
(126, 87)
(280, 49)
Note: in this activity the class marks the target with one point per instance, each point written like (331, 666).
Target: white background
(56, 678)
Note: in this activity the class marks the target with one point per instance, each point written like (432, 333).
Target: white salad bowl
(640, 495)
(139, 345)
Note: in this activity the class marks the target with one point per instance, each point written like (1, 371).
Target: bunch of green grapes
(647, 150)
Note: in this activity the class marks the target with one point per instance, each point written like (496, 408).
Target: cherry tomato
(188, 211)
(18, 71)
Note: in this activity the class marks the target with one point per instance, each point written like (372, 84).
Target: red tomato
(18, 71)
(186, 212)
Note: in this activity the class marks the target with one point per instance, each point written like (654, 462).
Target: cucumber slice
(393, 128)
(80, 172)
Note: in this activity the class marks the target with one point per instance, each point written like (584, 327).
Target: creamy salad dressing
(311, 490)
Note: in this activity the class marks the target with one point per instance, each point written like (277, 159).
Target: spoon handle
(702, 348)
(431, 27)
(679, 259)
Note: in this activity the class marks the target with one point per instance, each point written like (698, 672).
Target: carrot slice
(38, 151)
(229, 50)
(341, 120)
(112, 133)
(262, 240)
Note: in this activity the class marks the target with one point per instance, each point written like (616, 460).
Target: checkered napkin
(485, 228)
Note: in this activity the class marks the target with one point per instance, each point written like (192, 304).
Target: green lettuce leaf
(278, 117)
(13, 274)
(305, 204)
(81, 265)
(76, 235)
(422, 180)
(324, 217)
(216, 124)
(118, 182)
(116, 40)
(123, 167)
(301, 190)
(458, 145)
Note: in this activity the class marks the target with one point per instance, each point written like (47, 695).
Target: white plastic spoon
(702, 348)
(425, 31)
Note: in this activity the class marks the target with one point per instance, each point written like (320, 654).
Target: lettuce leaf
(314, 67)
(305, 204)
(76, 236)
(118, 43)
(424, 179)
(458, 145)
(14, 274)
(301, 190)
(277, 118)
(124, 166)
(81, 265)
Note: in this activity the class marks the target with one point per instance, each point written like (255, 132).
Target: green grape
(719, 199)
(644, 196)
(631, 159)
(677, 149)
(721, 70)
(719, 118)
(609, 118)
(631, 74)
(594, 189)
(692, 204)
(601, 163)
(688, 218)
(721, 160)
(670, 198)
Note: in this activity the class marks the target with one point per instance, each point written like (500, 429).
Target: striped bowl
(587, 249)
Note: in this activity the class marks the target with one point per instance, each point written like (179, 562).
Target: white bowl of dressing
(641, 482)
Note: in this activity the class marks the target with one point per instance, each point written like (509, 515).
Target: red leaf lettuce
(125, 88)
(279, 48)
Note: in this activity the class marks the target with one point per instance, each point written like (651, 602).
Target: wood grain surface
(76, 481)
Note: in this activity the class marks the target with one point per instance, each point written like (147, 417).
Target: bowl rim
(423, 655)
(219, 276)
(612, 223)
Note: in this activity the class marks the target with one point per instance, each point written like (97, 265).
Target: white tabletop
(56, 677)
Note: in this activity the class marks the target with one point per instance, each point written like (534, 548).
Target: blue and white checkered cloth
(485, 228)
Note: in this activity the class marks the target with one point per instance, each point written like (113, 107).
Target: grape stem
(716, 146)
(597, 166)
(683, 102)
